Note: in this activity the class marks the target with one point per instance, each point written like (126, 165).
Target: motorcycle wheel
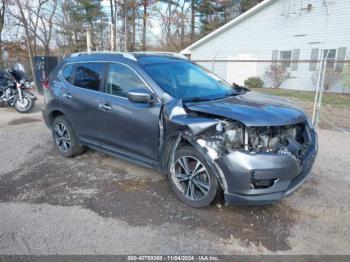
(24, 106)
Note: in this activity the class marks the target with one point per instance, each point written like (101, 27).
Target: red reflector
(46, 84)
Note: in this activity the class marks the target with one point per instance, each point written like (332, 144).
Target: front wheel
(192, 179)
(25, 105)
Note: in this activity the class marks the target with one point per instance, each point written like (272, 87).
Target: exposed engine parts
(230, 136)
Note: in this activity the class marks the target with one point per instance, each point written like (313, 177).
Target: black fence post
(43, 65)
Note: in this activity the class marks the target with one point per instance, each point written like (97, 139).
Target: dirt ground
(96, 204)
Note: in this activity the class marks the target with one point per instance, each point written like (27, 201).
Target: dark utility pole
(144, 28)
(193, 19)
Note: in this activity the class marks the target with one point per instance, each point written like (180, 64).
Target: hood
(252, 109)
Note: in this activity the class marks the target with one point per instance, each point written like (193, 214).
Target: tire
(64, 138)
(25, 106)
(198, 187)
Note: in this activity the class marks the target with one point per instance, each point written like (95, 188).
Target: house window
(314, 58)
(341, 54)
(295, 59)
(329, 55)
(286, 58)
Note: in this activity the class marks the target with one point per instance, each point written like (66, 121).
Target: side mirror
(139, 96)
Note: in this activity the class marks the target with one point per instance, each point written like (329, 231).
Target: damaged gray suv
(162, 111)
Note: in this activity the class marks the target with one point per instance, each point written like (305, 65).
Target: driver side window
(121, 80)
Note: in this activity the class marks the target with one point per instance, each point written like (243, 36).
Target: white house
(288, 30)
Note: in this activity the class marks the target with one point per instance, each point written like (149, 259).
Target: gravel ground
(96, 204)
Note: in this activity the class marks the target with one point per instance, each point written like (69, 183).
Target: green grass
(334, 99)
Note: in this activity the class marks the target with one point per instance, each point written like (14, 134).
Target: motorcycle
(14, 87)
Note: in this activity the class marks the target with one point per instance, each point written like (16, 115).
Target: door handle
(105, 107)
(67, 95)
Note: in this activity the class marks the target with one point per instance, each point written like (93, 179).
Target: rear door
(81, 99)
(128, 126)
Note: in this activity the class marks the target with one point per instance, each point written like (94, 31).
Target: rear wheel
(192, 179)
(64, 138)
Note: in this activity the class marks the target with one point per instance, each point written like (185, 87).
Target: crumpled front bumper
(286, 172)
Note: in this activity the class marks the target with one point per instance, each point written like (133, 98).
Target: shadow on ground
(139, 197)
(23, 120)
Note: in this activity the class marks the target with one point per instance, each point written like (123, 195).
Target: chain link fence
(320, 86)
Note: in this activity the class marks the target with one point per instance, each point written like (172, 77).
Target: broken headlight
(230, 136)
(227, 137)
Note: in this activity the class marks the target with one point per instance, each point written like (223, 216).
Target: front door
(125, 125)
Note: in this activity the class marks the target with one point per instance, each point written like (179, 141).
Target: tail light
(46, 84)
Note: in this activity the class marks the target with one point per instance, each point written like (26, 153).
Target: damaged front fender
(182, 129)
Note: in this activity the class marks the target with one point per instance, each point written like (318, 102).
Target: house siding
(275, 28)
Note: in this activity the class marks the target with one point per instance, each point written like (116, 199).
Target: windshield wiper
(196, 99)
(199, 99)
(240, 89)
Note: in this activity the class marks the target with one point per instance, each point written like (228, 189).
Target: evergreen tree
(214, 14)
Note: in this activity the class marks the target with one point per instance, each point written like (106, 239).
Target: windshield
(188, 81)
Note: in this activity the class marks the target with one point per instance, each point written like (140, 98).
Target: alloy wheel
(191, 178)
(62, 137)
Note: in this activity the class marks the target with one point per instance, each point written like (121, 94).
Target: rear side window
(88, 75)
(122, 79)
(68, 73)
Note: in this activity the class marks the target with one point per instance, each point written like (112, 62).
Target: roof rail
(126, 55)
(92, 53)
(161, 53)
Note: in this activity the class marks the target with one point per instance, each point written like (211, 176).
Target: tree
(175, 25)
(43, 32)
(228, 10)
(129, 14)
(91, 14)
(133, 5)
(247, 4)
(2, 23)
(167, 17)
(113, 10)
(72, 19)
(277, 73)
(70, 35)
(214, 14)
(33, 12)
(144, 24)
(193, 18)
(23, 20)
(36, 17)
